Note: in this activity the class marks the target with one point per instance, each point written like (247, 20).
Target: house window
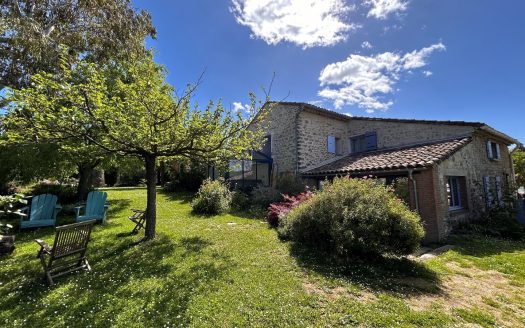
(267, 146)
(334, 145)
(493, 150)
(364, 142)
(338, 146)
(455, 193)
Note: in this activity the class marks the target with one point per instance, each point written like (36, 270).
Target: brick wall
(428, 201)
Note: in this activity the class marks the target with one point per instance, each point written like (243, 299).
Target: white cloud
(366, 81)
(381, 9)
(366, 45)
(315, 23)
(427, 73)
(239, 107)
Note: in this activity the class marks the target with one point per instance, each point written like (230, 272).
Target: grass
(232, 271)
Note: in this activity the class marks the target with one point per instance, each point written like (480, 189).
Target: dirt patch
(471, 287)
(338, 292)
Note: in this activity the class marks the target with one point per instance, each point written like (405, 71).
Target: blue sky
(425, 59)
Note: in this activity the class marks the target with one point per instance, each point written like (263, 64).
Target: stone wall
(282, 128)
(313, 132)
(472, 163)
(393, 134)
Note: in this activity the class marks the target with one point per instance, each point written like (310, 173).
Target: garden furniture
(139, 218)
(41, 212)
(95, 207)
(68, 253)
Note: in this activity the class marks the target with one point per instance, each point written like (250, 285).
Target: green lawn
(232, 271)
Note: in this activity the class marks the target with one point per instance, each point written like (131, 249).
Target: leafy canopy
(127, 108)
(518, 157)
(31, 32)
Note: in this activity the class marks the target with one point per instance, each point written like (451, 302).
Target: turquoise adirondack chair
(41, 213)
(95, 207)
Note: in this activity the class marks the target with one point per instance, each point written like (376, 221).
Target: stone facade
(281, 125)
(313, 132)
(299, 142)
(394, 134)
(472, 164)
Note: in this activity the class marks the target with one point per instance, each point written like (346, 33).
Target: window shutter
(331, 144)
(488, 194)
(499, 192)
(498, 152)
(371, 141)
(489, 149)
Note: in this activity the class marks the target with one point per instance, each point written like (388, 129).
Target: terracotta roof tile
(415, 156)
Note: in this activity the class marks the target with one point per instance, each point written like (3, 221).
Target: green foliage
(200, 272)
(100, 30)
(290, 184)
(25, 163)
(213, 197)
(127, 108)
(185, 176)
(240, 201)
(66, 193)
(518, 158)
(262, 197)
(6, 202)
(6, 229)
(354, 216)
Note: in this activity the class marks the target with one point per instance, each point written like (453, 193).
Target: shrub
(354, 216)
(277, 211)
(66, 193)
(262, 197)
(290, 184)
(240, 201)
(213, 197)
(501, 222)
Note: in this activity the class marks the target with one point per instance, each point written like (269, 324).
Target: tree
(127, 108)
(32, 31)
(34, 34)
(518, 157)
(24, 163)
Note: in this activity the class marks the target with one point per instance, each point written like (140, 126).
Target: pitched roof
(416, 156)
(323, 111)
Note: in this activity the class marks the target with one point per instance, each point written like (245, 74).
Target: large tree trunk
(85, 179)
(151, 209)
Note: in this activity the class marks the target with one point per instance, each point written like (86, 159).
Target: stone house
(451, 171)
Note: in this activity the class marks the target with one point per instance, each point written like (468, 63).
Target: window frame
(363, 143)
(493, 150)
(454, 201)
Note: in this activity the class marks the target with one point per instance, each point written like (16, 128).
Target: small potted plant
(7, 237)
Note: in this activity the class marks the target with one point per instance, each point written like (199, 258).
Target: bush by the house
(240, 201)
(213, 197)
(354, 216)
(262, 197)
(290, 184)
(277, 211)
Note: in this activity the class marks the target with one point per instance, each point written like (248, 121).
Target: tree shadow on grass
(181, 197)
(150, 284)
(478, 245)
(373, 272)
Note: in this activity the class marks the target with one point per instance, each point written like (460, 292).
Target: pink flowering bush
(277, 211)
